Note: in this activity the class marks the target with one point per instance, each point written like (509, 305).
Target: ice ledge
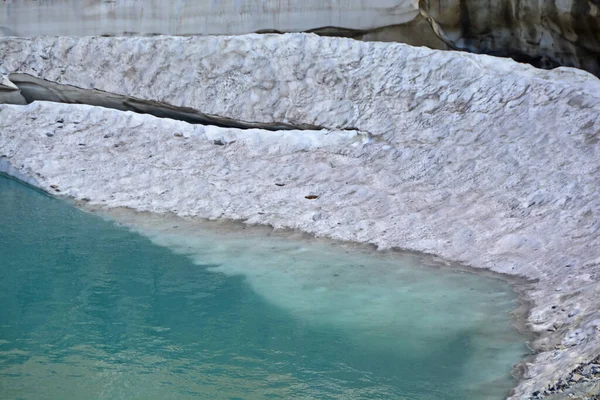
(33, 89)
(7, 168)
(9, 92)
(306, 80)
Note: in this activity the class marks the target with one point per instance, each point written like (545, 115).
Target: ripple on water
(91, 309)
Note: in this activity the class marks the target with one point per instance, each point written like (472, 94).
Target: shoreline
(223, 230)
(519, 285)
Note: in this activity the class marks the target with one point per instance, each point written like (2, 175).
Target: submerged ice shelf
(93, 310)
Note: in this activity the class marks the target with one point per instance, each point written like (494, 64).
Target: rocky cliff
(546, 33)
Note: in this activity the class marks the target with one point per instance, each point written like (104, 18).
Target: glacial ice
(472, 158)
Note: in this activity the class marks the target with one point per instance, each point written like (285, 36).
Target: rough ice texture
(472, 158)
(198, 17)
(547, 33)
(409, 196)
(391, 90)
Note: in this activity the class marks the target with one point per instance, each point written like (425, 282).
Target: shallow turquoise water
(92, 310)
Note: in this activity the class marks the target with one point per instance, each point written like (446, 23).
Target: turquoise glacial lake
(156, 308)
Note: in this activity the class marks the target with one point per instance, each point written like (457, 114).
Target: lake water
(153, 308)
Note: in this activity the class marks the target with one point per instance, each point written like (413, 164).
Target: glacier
(475, 159)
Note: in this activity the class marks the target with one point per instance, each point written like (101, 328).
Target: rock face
(417, 32)
(472, 158)
(545, 33)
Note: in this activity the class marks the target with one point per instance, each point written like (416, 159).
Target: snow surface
(400, 92)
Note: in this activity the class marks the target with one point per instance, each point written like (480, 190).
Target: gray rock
(545, 33)
(579, 391)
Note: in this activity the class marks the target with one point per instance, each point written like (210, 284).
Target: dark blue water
(91, 310)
